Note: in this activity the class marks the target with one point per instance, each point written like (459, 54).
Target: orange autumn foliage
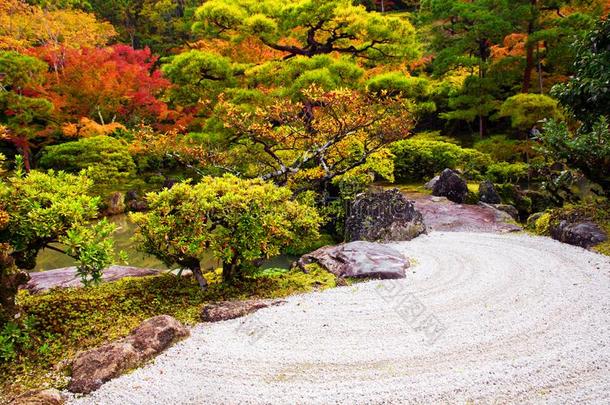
(86, 128)
(512, 45)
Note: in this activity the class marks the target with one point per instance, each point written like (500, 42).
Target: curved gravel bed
(481, 318)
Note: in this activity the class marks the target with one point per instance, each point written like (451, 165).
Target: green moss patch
(66, 321)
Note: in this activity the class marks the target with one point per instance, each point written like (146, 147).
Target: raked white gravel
(520, 319)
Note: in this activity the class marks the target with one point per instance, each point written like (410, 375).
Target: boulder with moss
(488, 193)
(585, 234)
(93, 368)
(513, 195)
(509, 209)
(586, 225)
(383, 217)
(68, 277)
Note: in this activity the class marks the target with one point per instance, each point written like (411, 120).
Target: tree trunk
(482, 126)
(194, 266)
(229, 270)
(10, 280)
(25, 152)
(539, 64)
(203, 284)
(529, 51)
(529, 68)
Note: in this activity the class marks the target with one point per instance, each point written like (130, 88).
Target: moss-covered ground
(65, 321)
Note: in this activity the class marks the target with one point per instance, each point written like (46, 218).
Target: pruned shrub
(421, 159)
(237, 221)
(504, 172)
(107, 159)
(501, 148)
(526, 110)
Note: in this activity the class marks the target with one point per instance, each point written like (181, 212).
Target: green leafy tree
(544, 23)
(291, 77)
(588, 151)
(158, 24)
(309, 27)
(586, 97)
(502, 43)
(23, 113)
(198, 75)
(464, 35)
(49, 211)
(416, 89)
(477, 99)
(542, 31)
(61, 4)
(587, 94)
(303, 44)
(239, 221)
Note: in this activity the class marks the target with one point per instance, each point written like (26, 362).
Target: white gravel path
(526, 320)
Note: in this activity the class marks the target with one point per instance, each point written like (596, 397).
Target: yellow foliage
(23, 26)
(543, 224)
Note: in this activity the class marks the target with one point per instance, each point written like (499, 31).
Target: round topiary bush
(417, 160)
(107, 159)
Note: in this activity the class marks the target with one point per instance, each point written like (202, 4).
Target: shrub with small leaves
(107, 159)
(50, 211)
(238, 221)
(504, 172)
(423, 159)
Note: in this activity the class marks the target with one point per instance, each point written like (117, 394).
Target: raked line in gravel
(481, 318)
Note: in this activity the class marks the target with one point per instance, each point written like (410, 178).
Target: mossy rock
(596, 213)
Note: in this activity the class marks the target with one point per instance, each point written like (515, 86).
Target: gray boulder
(116, 203)
(383, 217)
(135, 202)
(430, 185)
(452, 186)
(359, 260)
(93, 368)
(509, 209)
(585, 234)
(488, 193)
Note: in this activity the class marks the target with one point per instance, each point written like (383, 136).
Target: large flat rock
(359, 260)
(440, 214)
(68, 277)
